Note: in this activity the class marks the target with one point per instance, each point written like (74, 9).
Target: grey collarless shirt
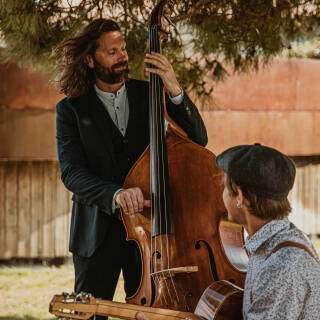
(117, 105)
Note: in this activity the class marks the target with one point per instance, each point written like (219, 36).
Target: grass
(27, 291)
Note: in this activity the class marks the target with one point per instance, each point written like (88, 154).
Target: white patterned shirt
(286, 285)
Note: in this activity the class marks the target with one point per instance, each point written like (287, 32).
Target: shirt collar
(265, 233)
(109, 95)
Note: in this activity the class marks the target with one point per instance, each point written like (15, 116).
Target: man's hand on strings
(165, 71)
(131, 201)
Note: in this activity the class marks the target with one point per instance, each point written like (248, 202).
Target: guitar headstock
(73, 306)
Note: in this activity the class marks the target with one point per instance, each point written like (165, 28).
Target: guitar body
(222, 300)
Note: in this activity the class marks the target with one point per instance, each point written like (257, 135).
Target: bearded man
(102, 129)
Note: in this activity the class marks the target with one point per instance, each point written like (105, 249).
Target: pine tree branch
(193, 11)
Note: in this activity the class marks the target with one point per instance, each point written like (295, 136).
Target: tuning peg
(83, 296)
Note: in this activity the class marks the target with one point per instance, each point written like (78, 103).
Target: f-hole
(155, 255)
(211, 257)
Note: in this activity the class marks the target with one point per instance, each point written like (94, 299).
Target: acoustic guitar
(222, 300)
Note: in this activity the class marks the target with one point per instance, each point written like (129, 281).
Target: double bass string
(154, 155)
(163, 183)
(151, 151)
(163, 149)
(157, 125)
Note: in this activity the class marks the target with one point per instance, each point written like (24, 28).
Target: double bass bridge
(172, 272)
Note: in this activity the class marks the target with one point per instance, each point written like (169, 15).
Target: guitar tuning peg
(79, 296)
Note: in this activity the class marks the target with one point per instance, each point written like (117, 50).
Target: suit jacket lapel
(102, 120)
(134, 106)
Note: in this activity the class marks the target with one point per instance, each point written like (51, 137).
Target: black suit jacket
(86, 157)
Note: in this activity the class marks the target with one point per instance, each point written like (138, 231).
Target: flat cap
(263, 171)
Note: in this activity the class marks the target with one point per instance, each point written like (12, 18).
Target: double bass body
(193, 253)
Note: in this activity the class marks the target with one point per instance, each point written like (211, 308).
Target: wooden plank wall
(35, 211)
(305, 199)
(35, 208)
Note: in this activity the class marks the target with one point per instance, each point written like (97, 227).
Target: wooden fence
(35, 211)
(35, 208)
(305, 199)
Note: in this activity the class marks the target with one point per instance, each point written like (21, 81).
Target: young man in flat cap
(283, 277)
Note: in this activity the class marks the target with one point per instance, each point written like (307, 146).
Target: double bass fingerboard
(159, 177)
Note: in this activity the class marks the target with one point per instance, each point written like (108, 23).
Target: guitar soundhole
(143, 301)
(232, 281)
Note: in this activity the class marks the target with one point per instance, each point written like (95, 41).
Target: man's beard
(110, 75)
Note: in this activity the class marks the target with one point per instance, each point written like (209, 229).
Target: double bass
(184, 239)
(188, 249)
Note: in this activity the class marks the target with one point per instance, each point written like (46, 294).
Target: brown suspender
(292, 244)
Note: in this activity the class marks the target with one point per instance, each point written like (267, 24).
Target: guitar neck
(62, 307)
(129, 311)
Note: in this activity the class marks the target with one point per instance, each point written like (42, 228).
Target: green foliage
(309, 48)
(208, 35)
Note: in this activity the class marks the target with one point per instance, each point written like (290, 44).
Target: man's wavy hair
(258, 206)
(76, 77)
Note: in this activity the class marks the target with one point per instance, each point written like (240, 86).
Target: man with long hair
(102, 129)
